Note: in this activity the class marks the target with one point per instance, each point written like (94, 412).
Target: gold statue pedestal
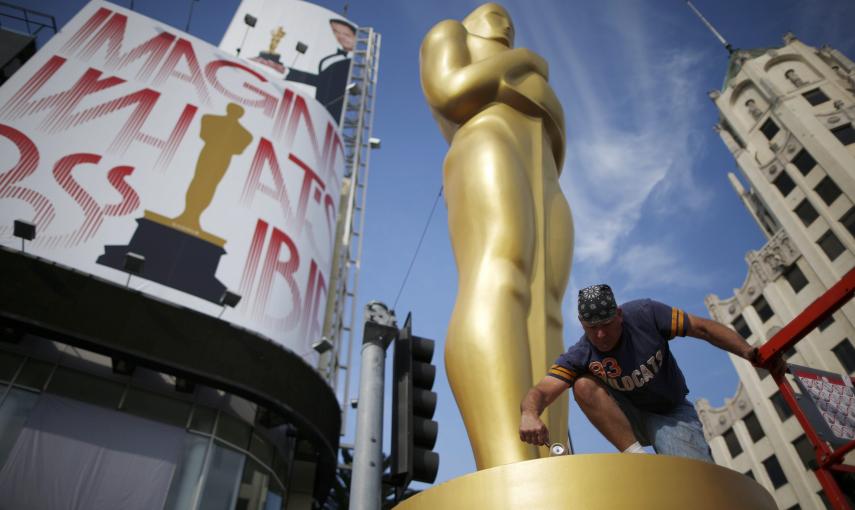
(598, 482)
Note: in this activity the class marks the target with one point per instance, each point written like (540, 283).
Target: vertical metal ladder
(341, 315)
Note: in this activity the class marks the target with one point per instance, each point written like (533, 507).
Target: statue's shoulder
(445, 31)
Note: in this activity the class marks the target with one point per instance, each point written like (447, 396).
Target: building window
(750, 474)
(773, 469)
(804, 162)
(831, 245)
(845, 354)
(795, 507)
(9, 364)
(761, 306)
(14, 414)
(815, 97)
(848, 220)
(770, 129)
(789, 353)
(826, 322)
(781, 406)
(824, 499)
(806, 452)
(845, 134)
(784, 183)
(755, 430)
(827, 190)
(761, 372)
(732, 443)
(741, 326)
(806, 213)
(795, 278)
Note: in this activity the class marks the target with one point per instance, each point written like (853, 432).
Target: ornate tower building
(787, 117)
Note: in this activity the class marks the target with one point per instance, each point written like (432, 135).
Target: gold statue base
(598, 482)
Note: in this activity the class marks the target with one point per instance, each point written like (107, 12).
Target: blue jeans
(676, 432)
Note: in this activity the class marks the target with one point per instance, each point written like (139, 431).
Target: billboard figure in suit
(331, 78)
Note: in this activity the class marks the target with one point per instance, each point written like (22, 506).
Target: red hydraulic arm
(829, 460)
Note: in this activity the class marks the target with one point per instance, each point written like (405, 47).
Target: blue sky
(645, 173)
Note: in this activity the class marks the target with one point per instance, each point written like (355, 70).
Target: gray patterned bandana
(597, 303)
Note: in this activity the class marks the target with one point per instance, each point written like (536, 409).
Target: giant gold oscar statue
(509, 223)
(512, 236)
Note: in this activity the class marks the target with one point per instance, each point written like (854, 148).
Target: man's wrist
(530, 413)
(752, 354)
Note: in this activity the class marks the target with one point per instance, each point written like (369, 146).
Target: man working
(625, 378)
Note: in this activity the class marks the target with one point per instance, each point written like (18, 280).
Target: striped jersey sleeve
(562, 373)
(670, 320)
(572, 364)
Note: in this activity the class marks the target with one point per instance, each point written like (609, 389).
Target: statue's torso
(529, 94)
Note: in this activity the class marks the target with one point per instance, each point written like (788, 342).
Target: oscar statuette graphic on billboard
(304, 44)
(123, 137)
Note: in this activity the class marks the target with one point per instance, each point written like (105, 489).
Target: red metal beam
(805, 322)
(838, 454)
(832, 490)
(823, 452)
(829, 461)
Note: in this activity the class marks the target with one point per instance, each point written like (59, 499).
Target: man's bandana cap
(597, 303)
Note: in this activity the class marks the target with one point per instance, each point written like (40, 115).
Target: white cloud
(631, 143)
(655, 265)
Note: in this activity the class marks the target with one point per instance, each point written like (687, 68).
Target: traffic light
(413, 404)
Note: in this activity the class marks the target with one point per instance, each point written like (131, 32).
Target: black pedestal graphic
(273, 57)
(173, 258)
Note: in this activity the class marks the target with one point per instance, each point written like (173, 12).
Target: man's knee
(586, 390)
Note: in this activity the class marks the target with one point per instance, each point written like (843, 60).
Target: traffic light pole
(366, 488)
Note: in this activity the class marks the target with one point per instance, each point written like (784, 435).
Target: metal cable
(418, 246)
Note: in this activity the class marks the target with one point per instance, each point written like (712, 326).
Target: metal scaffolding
(356, 123)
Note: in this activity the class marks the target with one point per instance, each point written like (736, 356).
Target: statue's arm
(455, 86)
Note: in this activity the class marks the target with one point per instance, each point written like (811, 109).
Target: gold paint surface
(509, 223)
(598, 482)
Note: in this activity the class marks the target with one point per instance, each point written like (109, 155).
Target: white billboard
(302, 43)
(127, 140)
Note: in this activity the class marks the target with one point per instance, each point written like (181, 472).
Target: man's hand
(776, 367)
(533, 430)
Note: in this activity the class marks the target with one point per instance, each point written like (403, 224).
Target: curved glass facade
(144, 440)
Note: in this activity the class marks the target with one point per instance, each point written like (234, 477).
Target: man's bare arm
(538, 398)
(725, 338)
(719, 335)
(456, 86)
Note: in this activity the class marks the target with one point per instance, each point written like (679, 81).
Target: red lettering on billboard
(93, 213)
(309, 177)
(86, 30)
(247, 280)
(155, 48)
(286, 269)
(264, 102)
(130, 200)
(182, 51)
(265, 157)
(111, 34)
(282, 113)
(27, 163)
(306, 309)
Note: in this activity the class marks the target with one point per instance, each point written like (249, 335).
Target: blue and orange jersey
(640, 365)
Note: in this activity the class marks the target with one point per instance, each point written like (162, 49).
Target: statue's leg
(559, 253)
(491, 225)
